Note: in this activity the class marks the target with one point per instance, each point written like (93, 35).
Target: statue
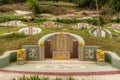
(100, 55)
(21, 56)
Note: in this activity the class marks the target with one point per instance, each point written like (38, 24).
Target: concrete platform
(59, 67)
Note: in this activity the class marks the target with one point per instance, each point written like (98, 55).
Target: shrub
(68, 21)
(92, 21)
(101, 21)
(5, 19)
(56, 10)
(36, 77)
(13, 36)
(106, 10)
(117, 19)
(37, 20)
(10, 1)
(34, 6)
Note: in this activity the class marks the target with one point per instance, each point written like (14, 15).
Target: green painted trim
(113, 58)
(77, 37)
(7, 57)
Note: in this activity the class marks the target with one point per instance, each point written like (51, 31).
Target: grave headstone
(116, 26)
(81, 26)
(104, 32)
(19, 12)
(30, 30)
(48, 16)
(14, 23)
(50, 24)
(68, 16)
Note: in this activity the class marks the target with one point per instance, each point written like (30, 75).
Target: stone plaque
(32, 52)
(89, 53)
(61, 55)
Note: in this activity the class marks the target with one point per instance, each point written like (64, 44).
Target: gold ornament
(81, 44)
(41, 43)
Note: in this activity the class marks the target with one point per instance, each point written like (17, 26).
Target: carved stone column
(42, 54)
(80, 51)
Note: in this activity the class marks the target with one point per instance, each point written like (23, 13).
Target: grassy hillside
(16, 41)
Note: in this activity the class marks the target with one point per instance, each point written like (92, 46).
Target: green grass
(36, 77)
(113, 31)
(8, 29)
(61, 3)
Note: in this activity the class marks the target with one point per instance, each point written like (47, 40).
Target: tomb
(30, 30)
(68, 16)
(50, 24)
(22, 13)
(60, 46)
(116, 26)
(14, 23)
(104, 32)
(81, 26)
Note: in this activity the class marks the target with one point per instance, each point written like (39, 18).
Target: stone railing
(113, 58)
(7, 57)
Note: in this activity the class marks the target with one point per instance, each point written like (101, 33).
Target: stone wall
(113, 58)
(7, 57)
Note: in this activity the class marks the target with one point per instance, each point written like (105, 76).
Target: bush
(56, 10)
(107, 10)
(117, 19)
(34, 6)
(4, 19)
(13, 36)
(36, 77)
(10, 1)
(101, 21)
(37, 20)
(10, 18)
(92, 21)
(68, 21)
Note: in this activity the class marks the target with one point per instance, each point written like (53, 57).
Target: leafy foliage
(68, 21)
(115, 4)
(10, 1)
(33, 5)
(36, 77)
(13, 36)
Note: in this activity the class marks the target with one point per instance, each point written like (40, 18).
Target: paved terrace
(80, 70)
(63, 68)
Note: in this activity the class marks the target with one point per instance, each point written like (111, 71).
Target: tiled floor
(61, 66)
(80, 70)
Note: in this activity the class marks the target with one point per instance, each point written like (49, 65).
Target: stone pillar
(80, 51)
(42, 52)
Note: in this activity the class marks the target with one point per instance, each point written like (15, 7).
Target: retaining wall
(113, 58)
(7, 57)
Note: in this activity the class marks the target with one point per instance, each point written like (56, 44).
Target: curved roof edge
(77, 37)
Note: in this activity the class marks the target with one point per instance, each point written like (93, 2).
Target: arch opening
(61, 46)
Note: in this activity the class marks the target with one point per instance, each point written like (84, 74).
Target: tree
(115, 4)
(34, 6)
(56, 1)
(101, 21)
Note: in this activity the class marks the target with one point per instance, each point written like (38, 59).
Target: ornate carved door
(75, 49)
(48, 53)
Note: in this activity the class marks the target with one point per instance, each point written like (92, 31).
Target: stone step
(61, 62)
